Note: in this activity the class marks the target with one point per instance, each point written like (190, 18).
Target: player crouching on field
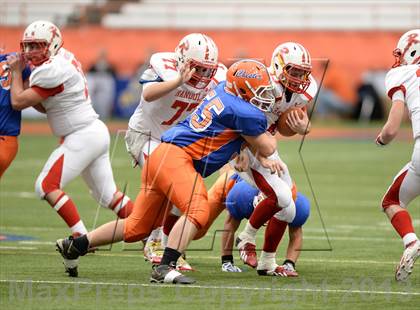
(240, 203)
(239, 198)
(402, 85)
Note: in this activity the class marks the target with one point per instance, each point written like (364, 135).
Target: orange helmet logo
(250, 80)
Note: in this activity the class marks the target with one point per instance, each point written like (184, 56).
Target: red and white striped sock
(68, 212)
(122, 207)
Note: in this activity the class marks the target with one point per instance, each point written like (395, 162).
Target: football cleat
(289, 270)
(153, 251)
(409, 257)
(230, 267)
(168, 274)
(277, 271)
(70, 255)
(183, 265)
(247, 252)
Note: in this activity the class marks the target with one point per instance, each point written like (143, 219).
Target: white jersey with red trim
(285, 101)
(163, 113)
(403, 83)
(62, 84)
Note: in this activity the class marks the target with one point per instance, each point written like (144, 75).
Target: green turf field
(355, 270)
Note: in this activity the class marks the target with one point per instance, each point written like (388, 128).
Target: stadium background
(356, 36)
(350, 267)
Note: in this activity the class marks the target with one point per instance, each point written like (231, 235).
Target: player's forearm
(16, 90)
(388, 134)
(391, 127)
(158, 90)
(263, 145)
(295, 243)
(19, 100)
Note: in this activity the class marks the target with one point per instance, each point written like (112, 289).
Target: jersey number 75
(200, 121)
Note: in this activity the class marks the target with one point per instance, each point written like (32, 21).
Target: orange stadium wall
(352, 51)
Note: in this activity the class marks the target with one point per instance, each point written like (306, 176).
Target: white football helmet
(200, 52)
(41, 40)
(291, 64)
(408, 49)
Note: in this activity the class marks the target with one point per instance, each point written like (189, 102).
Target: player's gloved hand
(230, 267)
(379, 141)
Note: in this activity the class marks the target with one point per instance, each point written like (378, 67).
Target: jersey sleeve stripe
(393, 90)
(142, 81)
(207, 145)
(48, 92)
(307, 96)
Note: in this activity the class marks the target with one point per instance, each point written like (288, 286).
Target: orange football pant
(8, 151)
(168, 177)
(216, 198)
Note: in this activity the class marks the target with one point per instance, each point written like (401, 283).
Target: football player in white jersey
(173, 86)
(402, 85)
(58, 83)
(294, 87)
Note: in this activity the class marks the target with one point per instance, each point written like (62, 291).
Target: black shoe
(168, 274)
(70, 255)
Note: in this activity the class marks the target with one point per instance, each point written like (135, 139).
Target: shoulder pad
(48, 75)
(394, 80)
(220, 73)
(164, 65)
(310, 92)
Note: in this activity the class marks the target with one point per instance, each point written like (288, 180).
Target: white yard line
(29, 248)
(139, 255)
(336, 291)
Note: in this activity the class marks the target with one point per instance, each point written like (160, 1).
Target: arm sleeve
(220, 75)
(394, 85)
(149, 76)
(247, 120)
(48, 75)
(164, 66)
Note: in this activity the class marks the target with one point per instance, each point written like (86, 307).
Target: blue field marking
(10, 237)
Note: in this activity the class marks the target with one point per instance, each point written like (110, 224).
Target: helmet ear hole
(242, 91)
(413, 53)
(277, 66)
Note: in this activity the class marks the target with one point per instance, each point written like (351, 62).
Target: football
(282, 126)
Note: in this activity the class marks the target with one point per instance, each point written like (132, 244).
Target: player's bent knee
(285, 198)
(43, 187)
(201, 233)
(133, 234)
(199, 217)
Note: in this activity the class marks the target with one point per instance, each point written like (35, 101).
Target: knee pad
(284, 197)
